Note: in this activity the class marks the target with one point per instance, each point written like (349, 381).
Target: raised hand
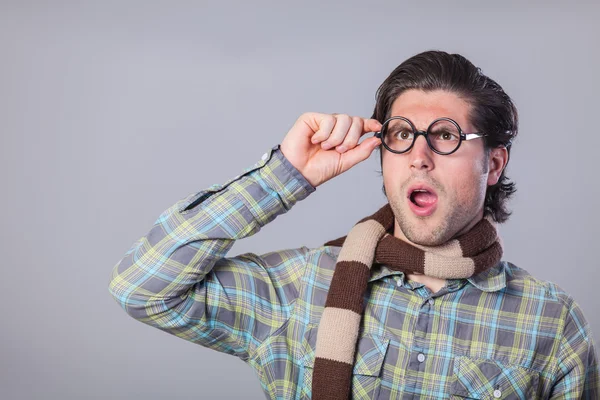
(322, 146)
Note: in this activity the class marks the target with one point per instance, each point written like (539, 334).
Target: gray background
(112, 111)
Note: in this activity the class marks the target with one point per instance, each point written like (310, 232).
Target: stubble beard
(459, 214)
(415, 228)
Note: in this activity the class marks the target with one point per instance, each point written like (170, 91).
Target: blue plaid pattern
(500, 334)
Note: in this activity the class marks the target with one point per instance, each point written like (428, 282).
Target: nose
(421, 156)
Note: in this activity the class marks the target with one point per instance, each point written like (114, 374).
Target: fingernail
(326, 146)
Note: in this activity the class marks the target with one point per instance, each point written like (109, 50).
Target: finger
(360, 152)
(342, 124)
(354, 133)
(371, 125)
(325, 123)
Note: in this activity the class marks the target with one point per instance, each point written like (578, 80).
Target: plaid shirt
(500, 334)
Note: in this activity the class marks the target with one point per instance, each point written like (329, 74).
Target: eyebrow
(444, 124)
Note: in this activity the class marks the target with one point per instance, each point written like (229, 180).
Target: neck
(430, 282)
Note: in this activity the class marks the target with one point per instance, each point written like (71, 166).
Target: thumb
(362, 151)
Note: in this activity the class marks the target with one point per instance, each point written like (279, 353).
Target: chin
(426, 231)
(425, 238)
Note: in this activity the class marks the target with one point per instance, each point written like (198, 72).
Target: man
(414, 302)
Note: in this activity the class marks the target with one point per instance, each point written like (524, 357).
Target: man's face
(452, 187)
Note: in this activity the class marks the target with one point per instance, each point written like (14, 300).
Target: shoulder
(320, 265)
(552, 298)
(520, 280)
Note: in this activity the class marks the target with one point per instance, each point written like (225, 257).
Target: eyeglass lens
(398, 135)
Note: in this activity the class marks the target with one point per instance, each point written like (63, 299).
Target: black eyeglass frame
(416, 133)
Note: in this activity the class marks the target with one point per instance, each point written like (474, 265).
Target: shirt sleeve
(177, 278)
(578, 372)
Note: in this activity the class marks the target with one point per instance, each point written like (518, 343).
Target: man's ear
(497, 160)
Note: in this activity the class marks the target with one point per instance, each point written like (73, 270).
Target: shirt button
(431, 301)
(265, 156)
(421, 358)
(497, 393)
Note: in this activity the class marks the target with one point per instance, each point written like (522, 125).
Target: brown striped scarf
(371, 241)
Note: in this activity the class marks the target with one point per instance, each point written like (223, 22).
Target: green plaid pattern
(500, 334)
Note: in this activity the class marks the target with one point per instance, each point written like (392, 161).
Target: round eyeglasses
(443, 135)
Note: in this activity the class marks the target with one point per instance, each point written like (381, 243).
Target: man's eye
(447, 136)
(403, 135)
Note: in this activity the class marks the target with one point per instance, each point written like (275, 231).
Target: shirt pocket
(366, 373)
(476, 378)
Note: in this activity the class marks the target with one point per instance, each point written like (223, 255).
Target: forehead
(423, 107)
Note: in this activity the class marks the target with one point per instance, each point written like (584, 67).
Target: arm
(177, 279)
(578, 372)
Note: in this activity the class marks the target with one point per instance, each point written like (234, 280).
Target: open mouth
(422, 200)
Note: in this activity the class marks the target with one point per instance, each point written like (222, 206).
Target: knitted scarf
(370, 241)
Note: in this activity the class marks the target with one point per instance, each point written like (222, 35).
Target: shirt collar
(380, 271)
(490, 280)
